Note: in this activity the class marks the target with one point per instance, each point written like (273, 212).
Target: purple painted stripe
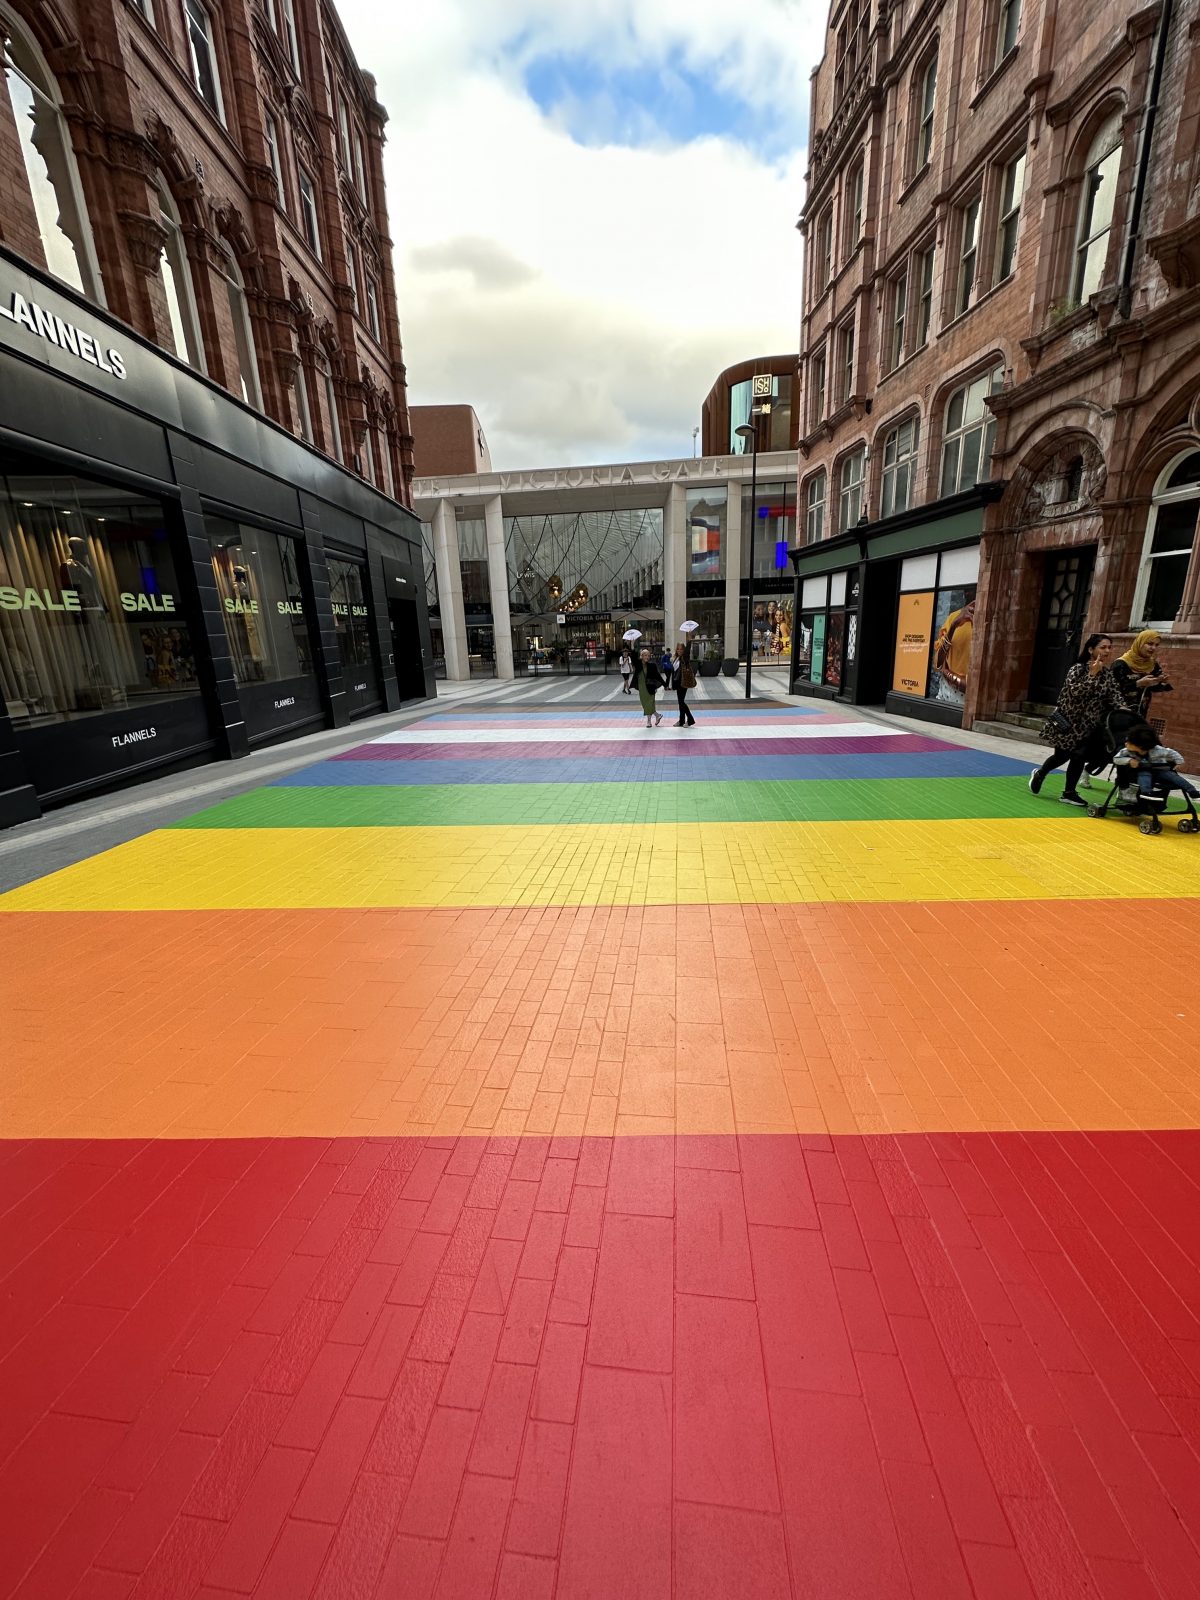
(544, 754)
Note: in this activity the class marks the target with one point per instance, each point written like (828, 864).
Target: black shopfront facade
(885, 614)
(180, 579)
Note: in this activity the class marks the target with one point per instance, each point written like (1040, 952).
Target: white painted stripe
(607, 735)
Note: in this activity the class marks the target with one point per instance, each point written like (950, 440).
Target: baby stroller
(1147, 809)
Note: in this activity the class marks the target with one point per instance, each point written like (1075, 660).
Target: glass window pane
(968, 470)
(1164, 593)
(706, 531)
(1175, 526)
(49, 170)
(91, 614)
(950, 455)
(262, 598)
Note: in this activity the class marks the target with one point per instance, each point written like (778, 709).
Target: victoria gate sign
(46, 325)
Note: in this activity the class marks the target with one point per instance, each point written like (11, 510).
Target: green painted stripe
(551, 804)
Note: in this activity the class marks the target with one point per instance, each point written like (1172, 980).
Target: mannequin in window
(102, 687)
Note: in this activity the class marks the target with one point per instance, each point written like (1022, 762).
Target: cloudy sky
(593, 204)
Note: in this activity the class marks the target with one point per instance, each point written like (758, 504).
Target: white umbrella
(632, 633)
(688, 627)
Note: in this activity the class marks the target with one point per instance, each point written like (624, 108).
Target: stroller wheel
(1189, 825)
(1095, 811)
(1149, 825)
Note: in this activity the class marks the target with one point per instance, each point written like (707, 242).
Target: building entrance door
(1066, 587)
(406, 649)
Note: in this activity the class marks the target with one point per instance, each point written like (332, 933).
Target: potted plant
(710, 665)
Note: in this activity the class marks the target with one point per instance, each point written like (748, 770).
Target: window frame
(847, 356)
(993, 377)
(856, 189)
(1084, 201)
(1008, 20)
(970, 218)
(897, 347)
(309, 214)
(193, 353)
(289, 33)
(818, 393)
(345, 148)
(824, 257)
(243, 331)
(925, 298)
(815, 506)
(373, 318)
(1164, 496)
(925, 112)
(271, 137)
(1010, 217)
(901, 465)
(304, 415)
(190, 9)
(852, 492)
(334, 420)
(41, 80)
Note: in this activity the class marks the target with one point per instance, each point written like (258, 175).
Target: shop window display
(935, 625)
(772, 628)
(352, 621)
(91, 614)
(258, 580)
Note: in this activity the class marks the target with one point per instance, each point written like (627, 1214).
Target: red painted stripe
(909, 1366)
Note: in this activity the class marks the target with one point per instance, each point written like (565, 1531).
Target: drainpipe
(1145, 143)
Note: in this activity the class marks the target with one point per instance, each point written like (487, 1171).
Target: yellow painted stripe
(624, 864)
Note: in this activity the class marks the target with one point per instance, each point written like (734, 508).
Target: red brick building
(229, 201)
(206, 536)
(999, 375)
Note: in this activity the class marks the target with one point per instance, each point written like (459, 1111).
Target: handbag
(1060, 724)
(688, 678)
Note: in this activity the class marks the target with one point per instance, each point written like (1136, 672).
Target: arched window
(1095, 216)
(814, 509)
(969, 432)
(50, 169)
(850, 493)
(899, 466)
(176, 271)
(1170, 538)
(246, 381)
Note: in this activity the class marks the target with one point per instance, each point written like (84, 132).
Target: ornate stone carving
(145, 237)
(1067, 482)
(130, 151)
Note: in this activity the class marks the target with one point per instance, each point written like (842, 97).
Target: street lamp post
(749, 430)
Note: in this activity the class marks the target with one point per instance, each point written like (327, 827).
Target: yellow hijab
(1137, 656)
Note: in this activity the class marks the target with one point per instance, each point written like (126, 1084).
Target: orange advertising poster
(913, 631)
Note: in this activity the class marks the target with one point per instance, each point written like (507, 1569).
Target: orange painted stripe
(690, 1019)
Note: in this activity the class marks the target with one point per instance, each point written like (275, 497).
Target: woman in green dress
(647, 680)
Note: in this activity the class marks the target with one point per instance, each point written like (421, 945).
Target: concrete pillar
(675, 552)
(493, 517)
(450, 595)
(733, 566)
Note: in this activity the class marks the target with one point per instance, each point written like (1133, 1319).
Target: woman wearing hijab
(1139, 672)
(647, 679)
(1075, 726)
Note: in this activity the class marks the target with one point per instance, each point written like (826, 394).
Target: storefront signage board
(914, 625)
(818, 648)
(113, 744)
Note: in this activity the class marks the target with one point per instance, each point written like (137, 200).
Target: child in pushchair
(1145, 776)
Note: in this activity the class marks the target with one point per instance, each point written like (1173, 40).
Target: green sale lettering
(38, 600)
(148, 602)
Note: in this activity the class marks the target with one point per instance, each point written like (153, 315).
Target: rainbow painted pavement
(531, 1156)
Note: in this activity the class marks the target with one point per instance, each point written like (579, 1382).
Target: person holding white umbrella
(647, 680)
(683, 675)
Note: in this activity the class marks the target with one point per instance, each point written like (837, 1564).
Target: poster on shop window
(953, 622)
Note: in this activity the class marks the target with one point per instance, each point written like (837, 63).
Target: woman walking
(626, 670)
(647, 680)
(683, 679)
(1076, 725)
(1139, 672)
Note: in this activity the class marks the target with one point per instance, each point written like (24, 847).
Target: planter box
(708, 669)
(729, 666)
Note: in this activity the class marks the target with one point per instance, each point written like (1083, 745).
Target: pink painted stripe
(620, 719)
(548, 754)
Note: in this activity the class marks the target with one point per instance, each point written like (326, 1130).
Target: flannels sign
(45, 325)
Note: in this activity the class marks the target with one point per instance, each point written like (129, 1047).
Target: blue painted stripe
(674, 769)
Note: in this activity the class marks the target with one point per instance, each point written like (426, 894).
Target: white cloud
(584, 297)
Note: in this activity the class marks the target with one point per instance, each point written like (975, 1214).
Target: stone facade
(248, 125)
(1028, 212)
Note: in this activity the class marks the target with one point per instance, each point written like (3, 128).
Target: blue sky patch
(660, 103)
